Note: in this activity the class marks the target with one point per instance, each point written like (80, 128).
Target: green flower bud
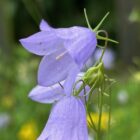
(94, 74)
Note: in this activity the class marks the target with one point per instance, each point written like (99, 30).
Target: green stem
(100, 114)
(90, 92)
(87, 102)
(102, 54)
(80, 89)
(109, 113)
(105, 45)
(87, 105)
(91, 120)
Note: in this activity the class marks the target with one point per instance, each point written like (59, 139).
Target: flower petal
(55, 67)
(42, 43)
(44, 26)
(69, 33)
(69, 83)
(47, 94)
(82, 46)
(67, 121)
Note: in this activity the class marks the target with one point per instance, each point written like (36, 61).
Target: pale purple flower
(4, 120)
(56, 92)
(67, 120)
(64, 50)
(108, 58)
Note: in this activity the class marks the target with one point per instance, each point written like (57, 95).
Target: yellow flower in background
(28, 131)
(7, 101)
(95, 118)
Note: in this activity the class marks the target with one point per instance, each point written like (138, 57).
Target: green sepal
(101, 22)
(106, 39)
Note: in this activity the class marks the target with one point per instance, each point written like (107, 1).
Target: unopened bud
(94, 74)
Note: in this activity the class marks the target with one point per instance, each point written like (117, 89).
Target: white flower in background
(122, 97)
(90, 137)
(4, 120)
(108, 58)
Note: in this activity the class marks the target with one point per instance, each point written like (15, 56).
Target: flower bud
(94, 74)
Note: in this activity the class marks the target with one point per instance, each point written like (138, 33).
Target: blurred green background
(23, 119)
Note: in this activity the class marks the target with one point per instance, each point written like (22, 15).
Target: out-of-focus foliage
(125, 109)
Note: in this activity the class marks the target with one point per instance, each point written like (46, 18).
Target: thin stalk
(89, 123)
(92, 122)
(109, 114)
(81, 87)
(100, 114)
(90, 92)
(98, 100)
(105, 45)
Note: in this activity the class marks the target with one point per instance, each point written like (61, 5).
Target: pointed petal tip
(44, 94)
(44, 26)
(30, 95)
(21, 41)
(43, 22)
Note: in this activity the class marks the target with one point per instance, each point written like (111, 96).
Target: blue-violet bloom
(67, 120)
(64, 50)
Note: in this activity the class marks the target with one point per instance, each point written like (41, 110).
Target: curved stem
(81, 87)
(105, 46)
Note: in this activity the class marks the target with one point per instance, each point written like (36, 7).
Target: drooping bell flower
(67, 120)
(63, 49)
